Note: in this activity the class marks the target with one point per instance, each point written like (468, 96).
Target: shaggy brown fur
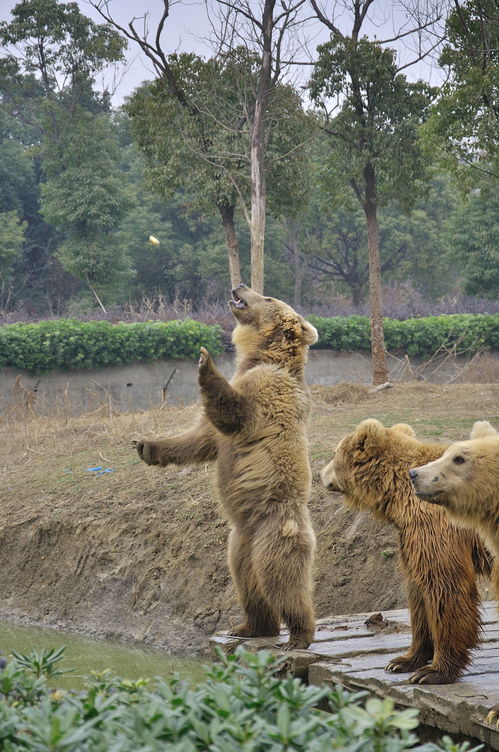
(439, 560)
(254, 427)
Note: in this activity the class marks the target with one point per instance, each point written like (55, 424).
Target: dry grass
(46, 459)
(38, 451)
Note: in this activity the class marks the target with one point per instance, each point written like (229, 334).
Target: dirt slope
(139, 553)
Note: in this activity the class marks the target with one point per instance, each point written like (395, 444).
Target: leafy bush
(241, 705)
(467, 332)
(69, 344)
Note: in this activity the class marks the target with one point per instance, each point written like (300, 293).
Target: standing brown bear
(254, 427)
(439, 559)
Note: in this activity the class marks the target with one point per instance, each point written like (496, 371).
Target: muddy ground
(139, 553)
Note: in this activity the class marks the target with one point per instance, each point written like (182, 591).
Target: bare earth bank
(139, 553)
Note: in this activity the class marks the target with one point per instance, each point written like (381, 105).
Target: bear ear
(404, 428)
(369, 433)
(481, 429)
(310, 334)
(288, 330)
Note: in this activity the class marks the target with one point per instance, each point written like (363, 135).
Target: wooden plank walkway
(348, 652)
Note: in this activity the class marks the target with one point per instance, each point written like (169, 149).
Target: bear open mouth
(237, 301)
(434, 497)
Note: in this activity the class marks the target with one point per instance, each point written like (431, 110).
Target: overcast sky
(188, 29)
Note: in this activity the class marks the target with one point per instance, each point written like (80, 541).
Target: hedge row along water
(469, 332)
(68, 344)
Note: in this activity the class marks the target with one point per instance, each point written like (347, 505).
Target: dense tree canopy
(475, 237)
(83, 186)
(465, 120)
(200, 142)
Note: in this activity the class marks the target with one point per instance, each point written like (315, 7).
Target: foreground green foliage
(466, 332)
(241, 705)
(68, 344)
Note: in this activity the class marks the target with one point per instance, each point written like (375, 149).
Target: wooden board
(345, 651)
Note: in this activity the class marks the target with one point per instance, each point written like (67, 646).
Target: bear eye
(458, 460)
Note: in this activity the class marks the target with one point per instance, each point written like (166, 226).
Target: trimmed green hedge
(471, 332)
(67, 344)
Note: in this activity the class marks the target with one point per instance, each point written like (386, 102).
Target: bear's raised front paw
(204, 358)
(146, 451)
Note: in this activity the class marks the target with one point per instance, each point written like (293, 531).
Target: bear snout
(413, 473)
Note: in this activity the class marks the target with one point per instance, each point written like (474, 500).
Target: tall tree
(465, 119)
(198, 146)
(208, 154)
(53, 53)
(373, 139)
(475, 242)
(266, 28)
(263, 44)
(11, 241)
(83, 196)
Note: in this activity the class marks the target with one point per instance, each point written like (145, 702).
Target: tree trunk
(257, 153)
(297, 265)
(356, 291)
(258, 203)
(227, 214)
(380, 371)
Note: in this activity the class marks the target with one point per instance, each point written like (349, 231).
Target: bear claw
(204, 356)
(404, 665)
(428, 675)
(493, 716)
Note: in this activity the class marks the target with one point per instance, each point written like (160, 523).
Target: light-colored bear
(255, 429)
(465, 480)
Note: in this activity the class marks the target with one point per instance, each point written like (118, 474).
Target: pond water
(86, 654)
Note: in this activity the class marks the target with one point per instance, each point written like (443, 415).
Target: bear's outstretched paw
(432, 675)
(404, 664)
(493, 716)
(146, 451)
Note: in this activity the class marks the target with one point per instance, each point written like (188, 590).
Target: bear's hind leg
(261, 620)
(455, 624)
(282, 557)
(421, 651)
